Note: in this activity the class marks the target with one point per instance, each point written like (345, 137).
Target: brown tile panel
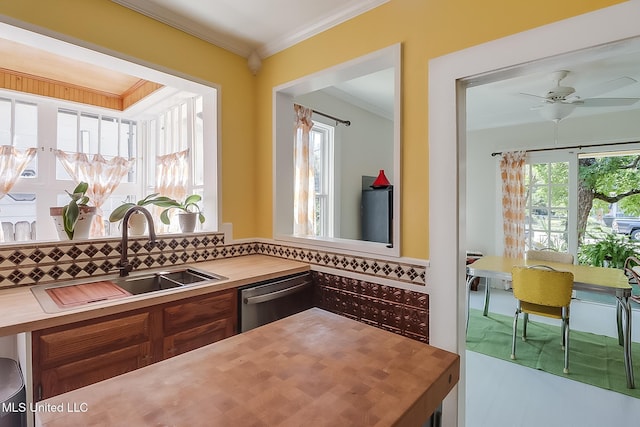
(398, 310)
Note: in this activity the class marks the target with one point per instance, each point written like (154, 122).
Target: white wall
(484, 216)
(363, 148)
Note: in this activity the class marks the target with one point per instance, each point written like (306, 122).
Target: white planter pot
(187, 221)
(83, 226)
(137, 224)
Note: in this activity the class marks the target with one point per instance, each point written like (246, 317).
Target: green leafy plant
(151, 199)
(610, 250)
(189, 205)
(71, 211)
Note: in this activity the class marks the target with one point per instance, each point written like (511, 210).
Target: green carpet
(593, 359)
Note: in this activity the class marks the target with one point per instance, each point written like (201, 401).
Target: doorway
(448, 78)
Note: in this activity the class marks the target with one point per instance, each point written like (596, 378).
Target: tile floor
(502, 394)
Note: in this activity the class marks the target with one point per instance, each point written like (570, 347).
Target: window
(24, 212)
(178, 128)
(321, 147)
(547, 217)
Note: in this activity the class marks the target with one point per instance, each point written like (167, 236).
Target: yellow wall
(106, 24)
(426, 28)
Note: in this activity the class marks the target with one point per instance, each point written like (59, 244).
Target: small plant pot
(188, 221)
(83, 226)
(137, 224)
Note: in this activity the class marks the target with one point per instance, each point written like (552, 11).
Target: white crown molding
(202, 32)
(350, 10)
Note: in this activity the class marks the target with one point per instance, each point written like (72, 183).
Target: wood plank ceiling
(39, 72)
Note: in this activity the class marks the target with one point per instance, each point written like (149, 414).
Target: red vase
(381, 181)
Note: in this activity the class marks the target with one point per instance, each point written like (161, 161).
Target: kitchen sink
(137, 285)
(73, 294)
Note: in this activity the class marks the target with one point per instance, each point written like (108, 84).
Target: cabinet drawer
(199, 311)
(197, 337)
(80, 342)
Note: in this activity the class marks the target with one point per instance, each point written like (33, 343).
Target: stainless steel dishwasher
(263, 302)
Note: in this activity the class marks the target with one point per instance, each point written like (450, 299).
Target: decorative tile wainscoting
(397, 310)
(66, 260)
(28, 264)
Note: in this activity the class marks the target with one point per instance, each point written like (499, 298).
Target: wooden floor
(502, 394)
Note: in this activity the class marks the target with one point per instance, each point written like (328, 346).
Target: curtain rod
(337, 120)
(579, 147)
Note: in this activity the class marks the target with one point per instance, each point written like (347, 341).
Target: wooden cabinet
(73, 356)
(198, 321)
(69, 357)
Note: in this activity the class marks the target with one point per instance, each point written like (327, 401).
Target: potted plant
(73, 221)
(609, 250)
(190, 212)
(138, 222)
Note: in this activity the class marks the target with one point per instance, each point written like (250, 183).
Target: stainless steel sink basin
(136, 285)
(73, 294)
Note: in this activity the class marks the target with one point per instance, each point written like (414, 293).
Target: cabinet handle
(277, 294)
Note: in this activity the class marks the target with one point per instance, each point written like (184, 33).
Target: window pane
(559, 196)
(67, 131)
(559, 173)
(540, 174)
(89, 134)
(540, 197)
(198, 146)
(18, 216)
(26, 133)
(109, 136)
(5, 121)
(183, 126)
(26, 125)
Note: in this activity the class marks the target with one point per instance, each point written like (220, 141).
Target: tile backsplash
(65, 260)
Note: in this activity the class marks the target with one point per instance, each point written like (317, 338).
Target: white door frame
(447, 162)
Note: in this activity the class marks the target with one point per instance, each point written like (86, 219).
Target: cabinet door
(199, 321)
(69, 357)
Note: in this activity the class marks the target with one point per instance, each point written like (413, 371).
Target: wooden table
(311, 369)
(611, 281)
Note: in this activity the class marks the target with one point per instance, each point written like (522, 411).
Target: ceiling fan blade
(607, 102)
(606, 87)
(541, 98)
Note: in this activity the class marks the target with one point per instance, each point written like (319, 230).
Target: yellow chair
(543, 291)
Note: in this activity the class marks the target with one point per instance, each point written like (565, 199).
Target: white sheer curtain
(304, 185)
(103, 177)
(12, 164)
(513, 202)
(172, 177)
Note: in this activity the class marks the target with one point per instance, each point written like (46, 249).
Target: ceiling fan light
(557, 111)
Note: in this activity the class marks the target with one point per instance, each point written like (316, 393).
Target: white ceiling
(245, 26)
(266, 27)
(499, 103)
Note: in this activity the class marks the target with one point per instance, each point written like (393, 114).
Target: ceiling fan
(560, 101)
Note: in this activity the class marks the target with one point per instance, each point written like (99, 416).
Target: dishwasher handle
(277, 294)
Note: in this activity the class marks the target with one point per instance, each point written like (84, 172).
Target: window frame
(325, 199)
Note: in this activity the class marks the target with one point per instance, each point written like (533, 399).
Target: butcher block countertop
(20, 311)
(314, 368)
